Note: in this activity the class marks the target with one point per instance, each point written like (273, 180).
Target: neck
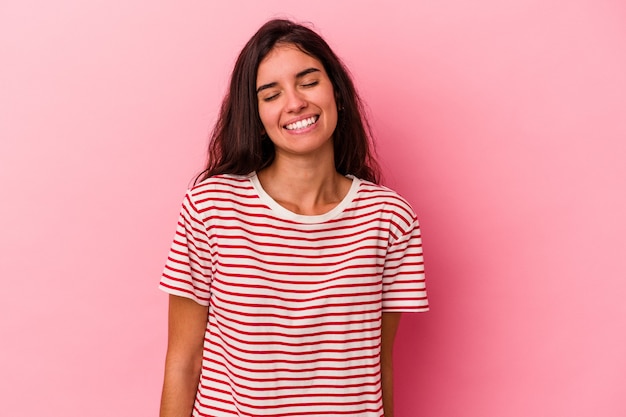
(304, 187)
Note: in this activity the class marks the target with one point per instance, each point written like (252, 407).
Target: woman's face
(296, 103)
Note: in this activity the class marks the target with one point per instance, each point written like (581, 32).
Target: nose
(295, 101)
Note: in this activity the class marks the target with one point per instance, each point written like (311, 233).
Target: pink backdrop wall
(504, 123)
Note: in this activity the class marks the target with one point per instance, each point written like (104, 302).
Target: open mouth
(302, 124)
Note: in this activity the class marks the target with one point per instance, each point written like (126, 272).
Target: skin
(291, 86)
(390, 324)
(302, 177)
(187, 324)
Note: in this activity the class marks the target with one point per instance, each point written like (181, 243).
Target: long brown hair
(238, 145)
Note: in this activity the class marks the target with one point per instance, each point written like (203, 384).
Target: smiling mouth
(301, 124)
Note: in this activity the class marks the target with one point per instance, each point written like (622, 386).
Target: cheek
(332, 107)
(266, 117)
(331, 102)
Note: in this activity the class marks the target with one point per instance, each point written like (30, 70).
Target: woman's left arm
(390, 323)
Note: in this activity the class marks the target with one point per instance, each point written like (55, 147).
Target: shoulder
(223, 183)
(390, 207)
(224, 190)
(388, 199)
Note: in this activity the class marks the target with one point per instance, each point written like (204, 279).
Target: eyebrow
(298, 75)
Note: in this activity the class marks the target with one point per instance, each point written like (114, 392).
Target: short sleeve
(404, 285)
(187, 272)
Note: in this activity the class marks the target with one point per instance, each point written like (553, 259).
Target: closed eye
(270, 98)
(311, 84)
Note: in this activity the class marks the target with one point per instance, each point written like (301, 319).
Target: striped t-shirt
(295, 301)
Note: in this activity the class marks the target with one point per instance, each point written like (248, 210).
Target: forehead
(285, 61)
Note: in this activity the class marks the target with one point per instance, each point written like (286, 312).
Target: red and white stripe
(295, 301)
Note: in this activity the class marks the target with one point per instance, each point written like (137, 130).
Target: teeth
(301, 124)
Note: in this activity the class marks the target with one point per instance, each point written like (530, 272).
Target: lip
(297, 119)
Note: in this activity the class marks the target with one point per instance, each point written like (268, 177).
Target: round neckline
(287, 214)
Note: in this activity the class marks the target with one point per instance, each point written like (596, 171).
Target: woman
(290, 265)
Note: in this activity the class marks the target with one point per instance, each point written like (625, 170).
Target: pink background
(504, 124)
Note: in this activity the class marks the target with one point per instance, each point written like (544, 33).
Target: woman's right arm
(186, 327)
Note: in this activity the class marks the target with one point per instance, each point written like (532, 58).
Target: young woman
(290, 265)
